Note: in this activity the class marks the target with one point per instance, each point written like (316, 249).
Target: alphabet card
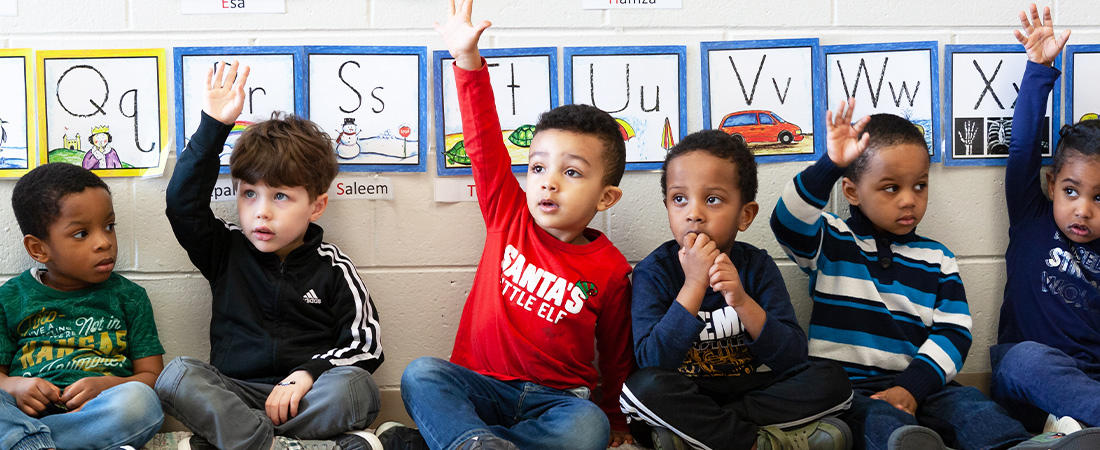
(106, 110)
(1082, 92)
(373, 101)
(525, 84)
(763, 93)
(909, 72)
(17, 147)
(272, 87)
(982, 83)
(643, 88)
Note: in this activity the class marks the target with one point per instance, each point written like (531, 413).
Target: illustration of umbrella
(666, 138)
(625, 129)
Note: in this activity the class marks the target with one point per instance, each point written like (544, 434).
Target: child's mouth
(263, 234)
(907, 220)
(546, 205)
(1078, 229)
(105, 265)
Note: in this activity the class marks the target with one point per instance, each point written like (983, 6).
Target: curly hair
(1078, 140)
(886, 130)
(285, 151)
(37, 196)
(721, 146)
(590, 120)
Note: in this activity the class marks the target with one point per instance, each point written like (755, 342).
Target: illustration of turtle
(588, 288)
(523, 136)
(457, 154)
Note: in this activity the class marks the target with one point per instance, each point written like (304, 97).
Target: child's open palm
(223, 97)
(1038, 37)
(461, 36)
(843, 137)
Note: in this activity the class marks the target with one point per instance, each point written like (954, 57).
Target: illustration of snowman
(347, 144)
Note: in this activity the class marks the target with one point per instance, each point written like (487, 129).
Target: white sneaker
(1064, 424)
(359, 440)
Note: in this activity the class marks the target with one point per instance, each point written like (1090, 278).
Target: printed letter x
(988, 84)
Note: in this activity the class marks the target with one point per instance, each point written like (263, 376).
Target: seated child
(1047, 360)
(723, 358)
(888, 305)
(293, 331)
(79, 342)
(546, 287)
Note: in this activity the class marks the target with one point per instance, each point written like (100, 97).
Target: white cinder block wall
(418, 257)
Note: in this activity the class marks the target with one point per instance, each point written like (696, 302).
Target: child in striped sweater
(889, 305)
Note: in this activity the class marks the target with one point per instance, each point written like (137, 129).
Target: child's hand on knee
(1038, 37)
(899, 398)
(32, 395)
(84, 389)
(282, 403)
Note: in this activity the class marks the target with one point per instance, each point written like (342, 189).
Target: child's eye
(80, 234)
(1070, 192)
(111, 227)
(921, 186)
(536, 168)
(678, 199)
(281, 196)
(572, 173)
(891, 189)
(249, 194)
(713, 200)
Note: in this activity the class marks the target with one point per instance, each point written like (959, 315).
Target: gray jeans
(230, 413)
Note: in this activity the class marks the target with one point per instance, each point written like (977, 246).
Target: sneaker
(664, 439)
(915, 437)
(487, 442)
(1064, 424)
(358, 440)
(1086, 439)
(286, 443)
(829, 433)
(397, 436)
(195, 442)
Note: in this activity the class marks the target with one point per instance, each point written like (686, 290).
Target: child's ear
(609, 197)
(37, 248)
(1050, 184)
(748, 213)
(319, 206)
(848, 187)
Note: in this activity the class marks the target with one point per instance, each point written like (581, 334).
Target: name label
(632, 4)
(233, 6)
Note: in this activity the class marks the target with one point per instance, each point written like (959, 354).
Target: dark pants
(1031, 379)
(963, 417)
(725, 412)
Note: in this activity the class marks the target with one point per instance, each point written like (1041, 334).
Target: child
(721, 352)
(293, 333)
(888, 304)
(79, 342)
(1048, 356)
(547, 286)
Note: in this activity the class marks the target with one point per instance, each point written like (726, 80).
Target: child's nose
(695, 214)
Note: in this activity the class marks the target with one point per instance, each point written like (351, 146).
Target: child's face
(1075, 190)
(702, 196)
(81, 247)
(893, 191)
(275, 219)
(565, 185)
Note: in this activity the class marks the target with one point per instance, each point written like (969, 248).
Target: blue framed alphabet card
(273, 86)
(17, 146)
(525, 84)
(897, 78)
(1082, 91)
(982, 83)
(643, 88)
(373, 101)
(763, 93)
(106, 110)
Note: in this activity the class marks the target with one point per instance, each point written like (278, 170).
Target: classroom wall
(417, 256)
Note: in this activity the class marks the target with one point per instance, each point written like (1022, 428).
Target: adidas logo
(311, 298)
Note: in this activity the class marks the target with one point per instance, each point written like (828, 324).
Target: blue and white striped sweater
(883, 304)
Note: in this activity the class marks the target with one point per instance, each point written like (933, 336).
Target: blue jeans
(230, 413)
(127, 414)
(962, 416)
(1031, 379)
(452, 404)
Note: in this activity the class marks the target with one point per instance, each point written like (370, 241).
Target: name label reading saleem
(342, 188)
(233, 6)
(632, 4)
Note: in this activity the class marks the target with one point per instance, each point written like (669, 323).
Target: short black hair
(1078, 140)
(587, 119)
(37, 196)
(721, 146)
(886, 130)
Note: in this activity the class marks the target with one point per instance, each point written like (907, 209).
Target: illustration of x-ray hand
(967, 135)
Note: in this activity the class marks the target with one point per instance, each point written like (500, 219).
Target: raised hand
(223, 97)
(461, 36)
(1038, 38)
(843, 139)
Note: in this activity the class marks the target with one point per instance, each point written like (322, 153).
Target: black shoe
(358, 440)
(397, 436)
(663, 439)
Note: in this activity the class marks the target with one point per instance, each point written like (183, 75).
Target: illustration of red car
(760, 126)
